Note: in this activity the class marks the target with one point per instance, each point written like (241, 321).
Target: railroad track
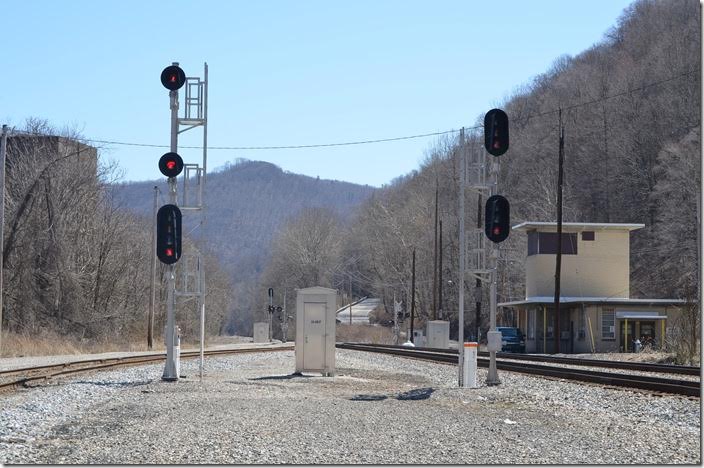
(26, 376)
(641, 382)
(625, 365)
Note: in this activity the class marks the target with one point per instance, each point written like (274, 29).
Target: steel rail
(641, 382)
(48, 371)
(625, 365)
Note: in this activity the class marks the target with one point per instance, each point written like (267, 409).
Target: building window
(531, 324)
(608, 324)
(588, 235)
(546, 243)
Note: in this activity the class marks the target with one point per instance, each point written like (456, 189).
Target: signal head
(497, 218)
(168, 234)
(170, 164)
(173, 77)
(496, 132)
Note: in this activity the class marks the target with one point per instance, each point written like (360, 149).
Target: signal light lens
(171, 164)
(169, 252)
(173, 77)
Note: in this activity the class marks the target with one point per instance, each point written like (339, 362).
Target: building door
(627, 341)
(314, 336)
(647, 334)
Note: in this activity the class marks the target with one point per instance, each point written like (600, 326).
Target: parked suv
(512, 340)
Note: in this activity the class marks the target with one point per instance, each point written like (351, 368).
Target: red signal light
(173, 77)
(169, 252)
(497, 231)
(170, 164)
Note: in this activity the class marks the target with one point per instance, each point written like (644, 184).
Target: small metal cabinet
(261, 332)
(315, 330)
(437, 334)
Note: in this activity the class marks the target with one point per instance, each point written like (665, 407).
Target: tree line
(76, 262)
(631, 112)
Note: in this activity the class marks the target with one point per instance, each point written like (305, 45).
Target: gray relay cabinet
(315, 330)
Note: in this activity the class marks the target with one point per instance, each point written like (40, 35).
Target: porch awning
(635, 315)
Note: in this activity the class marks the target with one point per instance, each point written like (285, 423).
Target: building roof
(592, 300)
(570, 227)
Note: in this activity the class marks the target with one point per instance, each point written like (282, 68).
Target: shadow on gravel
(114, 384)
(368, 397)
(280, 377)
(417, 394)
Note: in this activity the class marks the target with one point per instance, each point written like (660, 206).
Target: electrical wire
(391, 139)
(320, 145)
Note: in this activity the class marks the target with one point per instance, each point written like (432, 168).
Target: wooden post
(413, 293)
(558, 260)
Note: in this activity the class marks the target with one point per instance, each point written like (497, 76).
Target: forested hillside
(77, 267)
(630, 106)
(247, 203)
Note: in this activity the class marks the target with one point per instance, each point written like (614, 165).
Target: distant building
(59, 152)
(596, 311)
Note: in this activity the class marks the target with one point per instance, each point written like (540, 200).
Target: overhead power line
(408, 137)
(320, 145)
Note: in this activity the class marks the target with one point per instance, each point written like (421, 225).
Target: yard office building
(597, 313)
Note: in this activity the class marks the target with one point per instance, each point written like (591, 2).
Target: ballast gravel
(377, 409)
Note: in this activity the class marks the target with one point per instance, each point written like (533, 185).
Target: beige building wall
(600, 268)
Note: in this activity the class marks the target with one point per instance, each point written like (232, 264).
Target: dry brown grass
(51, 344)
(364, 334)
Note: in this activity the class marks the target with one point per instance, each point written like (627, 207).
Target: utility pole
(435, 255)
(440, 271)
(284, 324)
(413, 292)
(699, 250)
(558, 261)
(3, 152)
(463, 247)
(152, 286)
(271, 312)
(478, 283)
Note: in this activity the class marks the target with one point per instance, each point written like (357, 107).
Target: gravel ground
(377, 409)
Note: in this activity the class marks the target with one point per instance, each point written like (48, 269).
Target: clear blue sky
(284, 72)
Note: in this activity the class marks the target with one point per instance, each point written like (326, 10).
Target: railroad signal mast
(169, 216)
(483, 178)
